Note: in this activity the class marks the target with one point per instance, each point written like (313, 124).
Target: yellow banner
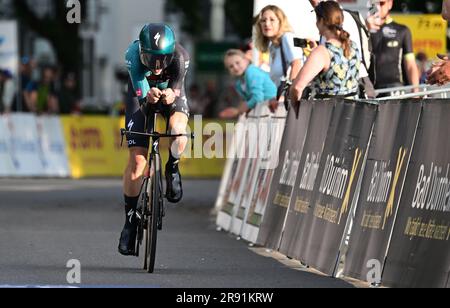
(429, 32)
(93, 148)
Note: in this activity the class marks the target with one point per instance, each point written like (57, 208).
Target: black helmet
(156, 46)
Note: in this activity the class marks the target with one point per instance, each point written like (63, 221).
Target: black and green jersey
(391, 45)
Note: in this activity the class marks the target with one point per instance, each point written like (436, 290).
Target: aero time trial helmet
(156, 46)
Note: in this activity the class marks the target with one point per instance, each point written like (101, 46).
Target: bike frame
(147, 202)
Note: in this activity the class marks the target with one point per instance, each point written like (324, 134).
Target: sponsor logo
(290, 168)
(130, 125)
(86, 138)
(157, 37)
(389, 32)
(393, 44)
(130, 215)
(310, 171)
(432, 192)
(355, 166)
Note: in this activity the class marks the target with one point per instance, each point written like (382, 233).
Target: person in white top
(275, 35)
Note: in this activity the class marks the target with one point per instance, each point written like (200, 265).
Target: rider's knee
(178, 128)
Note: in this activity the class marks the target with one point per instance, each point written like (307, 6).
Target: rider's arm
(177, 72)
(137, 73)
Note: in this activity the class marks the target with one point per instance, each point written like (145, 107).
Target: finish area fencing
(361, 189)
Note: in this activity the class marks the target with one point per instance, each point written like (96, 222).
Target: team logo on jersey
(389, 32)
(393, 44)
(139, 92)
(157, 37)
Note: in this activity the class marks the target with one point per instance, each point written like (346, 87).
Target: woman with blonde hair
(334, 67)
(275, 35)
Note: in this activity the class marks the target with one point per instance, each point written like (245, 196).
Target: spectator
(6, 91)
(440, 71)
(197, 103)
(354, 24)
(69, 100)
(247, 49)
(26, 69)
(392, 47)
(334, 67)
(446, 10)
(274, 34)
(41, 97)
(422, 63)
(253, 84)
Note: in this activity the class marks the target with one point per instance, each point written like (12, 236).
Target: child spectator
(253, 84)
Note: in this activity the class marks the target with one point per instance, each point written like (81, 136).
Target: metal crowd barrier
(426, 91)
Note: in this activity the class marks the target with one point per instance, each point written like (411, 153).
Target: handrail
(413, 95)
(404, 88)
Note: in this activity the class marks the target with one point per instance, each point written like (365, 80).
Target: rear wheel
(154, 194)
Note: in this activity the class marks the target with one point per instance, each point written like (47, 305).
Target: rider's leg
(132, 178)
(138, 145)
(132, 181)
(177, 123)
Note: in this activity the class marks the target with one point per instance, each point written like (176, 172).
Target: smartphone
(373, 7)
(299, 42)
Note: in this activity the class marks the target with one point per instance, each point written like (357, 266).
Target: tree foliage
(418, 6)
(196, 16)
(63, 37)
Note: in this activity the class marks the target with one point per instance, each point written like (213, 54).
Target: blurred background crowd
(61, 68)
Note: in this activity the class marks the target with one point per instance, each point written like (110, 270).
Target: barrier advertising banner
(387, 162)
(429, 32)
(419, 252)
(236, 180)
(256, 153)
(309, 165)
(7, 164)
(338, 174)
(93, 146)
(9, 50)
(52, 146)
(264, 177)
(25, 148)
(285, 177)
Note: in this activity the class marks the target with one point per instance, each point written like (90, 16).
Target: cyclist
(157, 66)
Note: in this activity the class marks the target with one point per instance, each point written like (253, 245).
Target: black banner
(285, 176)
(419, 252)
(308, 168)
(340, 168)
(384, 175)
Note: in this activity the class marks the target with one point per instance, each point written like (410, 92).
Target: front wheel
(154, 193)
